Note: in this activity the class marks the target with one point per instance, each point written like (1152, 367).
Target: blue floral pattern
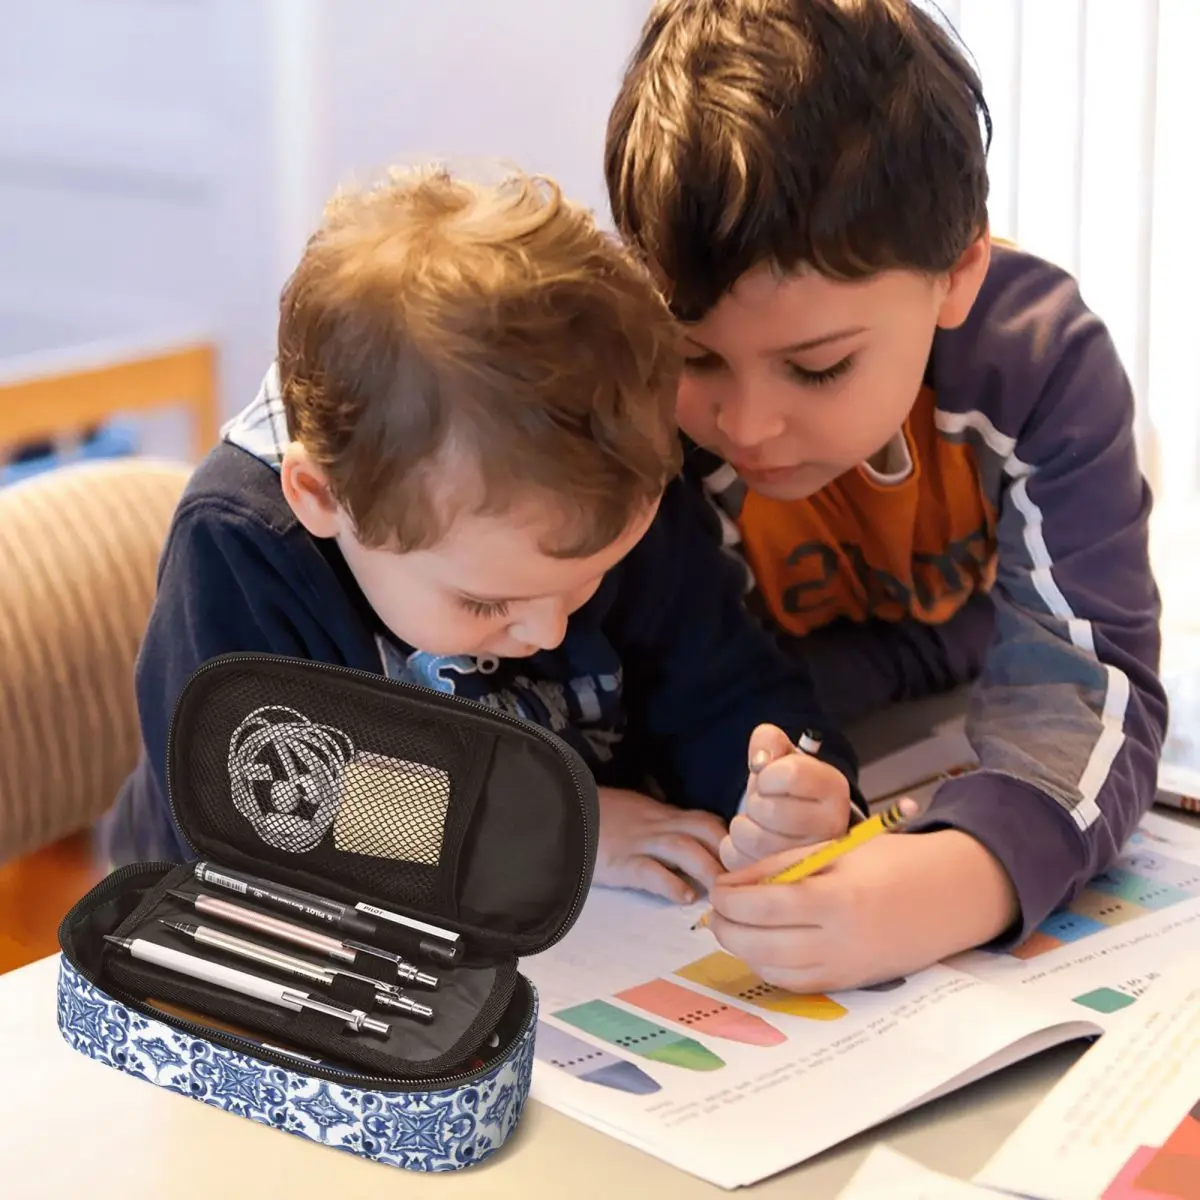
(419, 1131)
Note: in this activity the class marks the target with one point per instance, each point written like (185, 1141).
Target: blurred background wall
(161, 161)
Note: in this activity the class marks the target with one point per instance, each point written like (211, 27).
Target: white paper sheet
(1116, 937)
(1124, 1123)
(888, 1175)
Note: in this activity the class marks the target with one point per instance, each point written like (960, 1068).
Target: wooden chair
(46, 395)
(80, 548)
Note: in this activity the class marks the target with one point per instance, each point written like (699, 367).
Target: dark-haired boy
(923, 442)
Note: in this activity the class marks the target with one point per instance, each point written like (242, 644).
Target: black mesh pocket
(393, 807)
(322, 774)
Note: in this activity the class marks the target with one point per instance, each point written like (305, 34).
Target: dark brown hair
(445, 345)
(842, 134)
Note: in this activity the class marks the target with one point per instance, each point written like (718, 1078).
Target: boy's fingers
(759, 870)
(767, 743)
(752, 842)
(795, 948)
(801, 775)
(771, 906)
(649, 875)
(797, 819)
(707, 828)
(819, 977)
(686, 855)
(732, 859)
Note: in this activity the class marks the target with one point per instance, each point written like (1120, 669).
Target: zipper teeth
(425, 694)
(113, 882)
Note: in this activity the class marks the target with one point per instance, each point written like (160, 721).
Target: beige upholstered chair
(79, 551)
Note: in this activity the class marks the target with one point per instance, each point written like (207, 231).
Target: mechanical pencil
(244, 983)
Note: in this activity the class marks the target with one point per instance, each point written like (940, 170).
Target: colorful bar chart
(662, 998)
(1141, 882)
(589, 1063)
(639, 1036)
(730, 976)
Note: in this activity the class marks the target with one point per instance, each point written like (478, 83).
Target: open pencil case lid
(360, 789)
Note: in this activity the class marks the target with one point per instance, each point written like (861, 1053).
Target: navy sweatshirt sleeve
(1069, 714)
(700, 673)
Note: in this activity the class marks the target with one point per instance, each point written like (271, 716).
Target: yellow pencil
(864, 831)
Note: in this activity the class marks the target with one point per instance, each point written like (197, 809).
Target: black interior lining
(467, 1006)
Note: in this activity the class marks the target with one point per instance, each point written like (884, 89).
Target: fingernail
(760, 760)
(689, 897)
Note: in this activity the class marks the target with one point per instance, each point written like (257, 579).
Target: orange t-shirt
(863, 548)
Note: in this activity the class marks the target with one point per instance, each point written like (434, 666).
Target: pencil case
(372, 793)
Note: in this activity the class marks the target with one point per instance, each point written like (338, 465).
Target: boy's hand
(792, 799)
(656, 847)
(893, 906)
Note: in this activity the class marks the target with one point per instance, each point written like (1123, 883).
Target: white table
(70, 1127)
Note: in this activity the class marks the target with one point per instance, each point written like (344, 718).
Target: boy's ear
(306, 489)
(965, 279)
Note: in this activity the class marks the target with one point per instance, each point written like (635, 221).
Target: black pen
(278, 895)
(431, 941)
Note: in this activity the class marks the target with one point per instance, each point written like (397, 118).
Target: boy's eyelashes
(823, 376)
(701, 364)
(484, 608)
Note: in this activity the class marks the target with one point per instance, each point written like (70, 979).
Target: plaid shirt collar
(261, 428)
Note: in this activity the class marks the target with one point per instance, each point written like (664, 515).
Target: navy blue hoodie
(662, 674)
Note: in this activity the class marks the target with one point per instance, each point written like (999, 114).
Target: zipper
(113, 884)
(427, 696)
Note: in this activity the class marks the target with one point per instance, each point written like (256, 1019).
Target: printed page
(1124, 1123)
(887, 1175)
(1101, 953)
(653, 1034)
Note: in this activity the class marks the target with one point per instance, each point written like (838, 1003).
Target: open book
(651, 1033)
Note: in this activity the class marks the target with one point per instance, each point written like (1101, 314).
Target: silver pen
(406, 971)
(244, 983)
(386, 995)
(298, 935)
